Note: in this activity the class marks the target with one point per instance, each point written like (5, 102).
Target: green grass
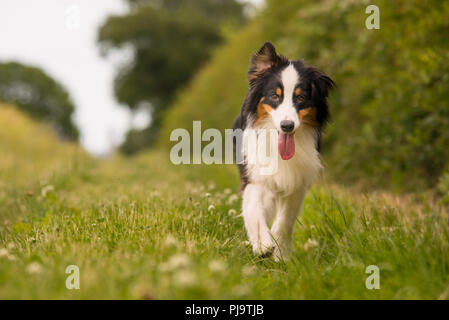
(142, 228)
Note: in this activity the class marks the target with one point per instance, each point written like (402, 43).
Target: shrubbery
(40, 96)
(391, 107)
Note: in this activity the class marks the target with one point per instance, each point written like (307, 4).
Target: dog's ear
(263, 61)
(321, 85)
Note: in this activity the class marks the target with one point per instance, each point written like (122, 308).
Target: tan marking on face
(308, 116)
(302, 113)
(297, 91)
(263, 110)
(279, 91)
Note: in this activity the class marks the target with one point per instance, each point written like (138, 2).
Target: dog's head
(286, 92)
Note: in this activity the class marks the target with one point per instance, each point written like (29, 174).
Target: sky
(59, 36)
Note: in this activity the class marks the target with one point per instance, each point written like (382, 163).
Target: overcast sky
(59, 36)
(47, 34)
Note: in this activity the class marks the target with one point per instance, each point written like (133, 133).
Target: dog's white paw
(279, 254)
(281, 251)
(264, 245)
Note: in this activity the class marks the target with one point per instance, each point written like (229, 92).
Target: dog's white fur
(278, 198)
(286, 110)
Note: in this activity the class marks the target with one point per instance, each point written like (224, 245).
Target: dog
(291, 98)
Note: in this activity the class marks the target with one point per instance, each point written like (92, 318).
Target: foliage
(170, 40)
(36, 93)
(391, 107)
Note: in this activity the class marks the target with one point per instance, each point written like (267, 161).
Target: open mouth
(286, 145)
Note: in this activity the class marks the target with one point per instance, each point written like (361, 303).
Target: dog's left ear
(263, 61)
(321, 85)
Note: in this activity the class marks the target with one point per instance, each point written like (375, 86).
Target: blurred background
(119, 75)
(98, 55)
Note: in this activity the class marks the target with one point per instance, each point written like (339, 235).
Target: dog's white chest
(284, 176)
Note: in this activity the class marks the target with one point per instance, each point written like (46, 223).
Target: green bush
(37, 94)
(391, 107)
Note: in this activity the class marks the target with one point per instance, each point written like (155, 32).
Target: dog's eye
(299, 99)
(274, 97)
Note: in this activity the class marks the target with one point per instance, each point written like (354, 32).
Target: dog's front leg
(282, 229)
(258, 203)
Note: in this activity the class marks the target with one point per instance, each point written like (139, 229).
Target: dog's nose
(287, 126)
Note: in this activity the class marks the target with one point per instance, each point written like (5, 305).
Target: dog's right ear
(263, 61)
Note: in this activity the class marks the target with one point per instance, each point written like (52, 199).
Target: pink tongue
(286, 145)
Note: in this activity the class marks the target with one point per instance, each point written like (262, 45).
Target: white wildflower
(185, 278)
(3, 252)
(154, 194)
(310, 243)
(170, 241)
(34, 268)
(217, 266)
(177, 261)
(233, 198)
(45, 190)
(11, 257)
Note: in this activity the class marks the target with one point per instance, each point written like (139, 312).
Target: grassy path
(142, 229)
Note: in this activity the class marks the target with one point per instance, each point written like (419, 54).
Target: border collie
(291, 98)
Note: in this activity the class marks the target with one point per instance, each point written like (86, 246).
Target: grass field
(142, 228)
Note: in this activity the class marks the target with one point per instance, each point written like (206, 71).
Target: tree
(36, 93)
(170, 40)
